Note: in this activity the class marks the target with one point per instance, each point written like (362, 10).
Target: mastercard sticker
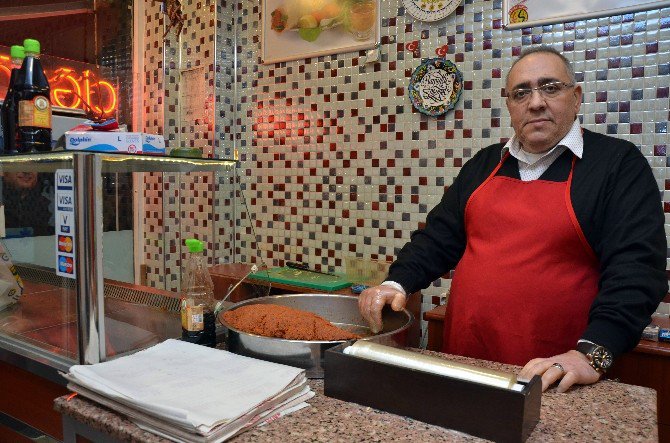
(65, 224)
(65, 243)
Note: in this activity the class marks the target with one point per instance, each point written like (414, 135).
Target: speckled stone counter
(606, 411)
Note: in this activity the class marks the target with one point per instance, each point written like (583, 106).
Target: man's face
(540, 122)
(21, 180)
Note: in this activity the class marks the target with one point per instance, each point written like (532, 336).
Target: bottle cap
(17, 51)
(31, 45)
(193, 244)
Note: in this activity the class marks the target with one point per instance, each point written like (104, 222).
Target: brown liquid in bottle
(32, 91)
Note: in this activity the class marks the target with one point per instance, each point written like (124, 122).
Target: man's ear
(578, 97)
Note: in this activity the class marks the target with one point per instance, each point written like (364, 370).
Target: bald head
(543, 50)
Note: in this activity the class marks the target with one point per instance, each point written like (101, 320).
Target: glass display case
(96, 240)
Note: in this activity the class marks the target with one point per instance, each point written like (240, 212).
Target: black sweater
(617, 203)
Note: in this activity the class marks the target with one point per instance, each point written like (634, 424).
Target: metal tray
(341, 310)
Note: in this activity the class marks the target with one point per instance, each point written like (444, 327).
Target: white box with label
(114, 141)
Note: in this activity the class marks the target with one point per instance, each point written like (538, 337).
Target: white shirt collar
(573, 140)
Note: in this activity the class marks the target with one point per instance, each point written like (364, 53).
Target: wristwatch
(600, 358)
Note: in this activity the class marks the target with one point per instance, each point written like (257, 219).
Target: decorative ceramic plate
(430, 10)
(435, 86)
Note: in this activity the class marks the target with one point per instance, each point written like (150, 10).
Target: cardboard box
(498, 414)
(113, 141)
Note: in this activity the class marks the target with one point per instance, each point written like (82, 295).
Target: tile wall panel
(153, 122)
(224, 78)
(180, 206)
(335, 162)
(224, 132)
(190, 123)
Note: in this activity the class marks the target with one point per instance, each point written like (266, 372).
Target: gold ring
(558, 366)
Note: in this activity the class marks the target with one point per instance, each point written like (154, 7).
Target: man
(28, 200)
(557, 240)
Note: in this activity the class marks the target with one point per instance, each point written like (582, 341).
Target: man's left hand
(576, 370)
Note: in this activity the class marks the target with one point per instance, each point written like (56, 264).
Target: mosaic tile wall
(224, 81)
(153, 121)
(189, 93)
(335, 162)
(181, 206)
(226, 189)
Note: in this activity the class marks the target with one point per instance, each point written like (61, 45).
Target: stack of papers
(192, 393)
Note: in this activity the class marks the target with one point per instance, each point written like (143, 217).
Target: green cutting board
(300, 277)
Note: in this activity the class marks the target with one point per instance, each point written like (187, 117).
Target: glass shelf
(113, 162)
(122, 297)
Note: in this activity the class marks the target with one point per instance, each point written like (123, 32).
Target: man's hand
(576, 371)
(372, 301)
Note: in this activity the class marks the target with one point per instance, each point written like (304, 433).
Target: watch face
(601, 358)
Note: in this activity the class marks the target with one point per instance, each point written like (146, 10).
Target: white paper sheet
(189, 385)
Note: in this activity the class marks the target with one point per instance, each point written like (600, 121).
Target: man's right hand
(372, 301)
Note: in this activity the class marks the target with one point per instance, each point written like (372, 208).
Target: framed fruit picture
(297, 29)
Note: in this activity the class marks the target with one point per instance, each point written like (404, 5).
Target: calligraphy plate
(430, 10)
(435, 86)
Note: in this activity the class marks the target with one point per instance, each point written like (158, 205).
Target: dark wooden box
(484, 411)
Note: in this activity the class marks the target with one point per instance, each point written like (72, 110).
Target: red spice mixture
(284, 322)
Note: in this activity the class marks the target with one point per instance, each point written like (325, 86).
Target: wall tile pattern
(181, 204)
(335, 162)
(226, 184)
(153, 118)
(224, 81)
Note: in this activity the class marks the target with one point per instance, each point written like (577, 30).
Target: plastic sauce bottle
(9, 111)
(34, 105)
(197, 303)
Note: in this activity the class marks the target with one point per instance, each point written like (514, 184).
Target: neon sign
(74, 85)
(71, 90)
(5, 66)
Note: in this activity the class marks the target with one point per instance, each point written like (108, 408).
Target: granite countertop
(605, 411)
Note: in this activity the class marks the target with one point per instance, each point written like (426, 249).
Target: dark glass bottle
(33, 131)
(9, 111)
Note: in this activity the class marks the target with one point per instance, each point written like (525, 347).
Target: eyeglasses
(547, 91)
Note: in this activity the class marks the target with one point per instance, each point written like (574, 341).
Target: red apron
(525, 284)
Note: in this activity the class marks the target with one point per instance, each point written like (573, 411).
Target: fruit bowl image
(309, 18)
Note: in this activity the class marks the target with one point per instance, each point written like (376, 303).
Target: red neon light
(60, 94)
(112, 97)
(112, 94)
(73, 89)
(8, 71)
(103, 103)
